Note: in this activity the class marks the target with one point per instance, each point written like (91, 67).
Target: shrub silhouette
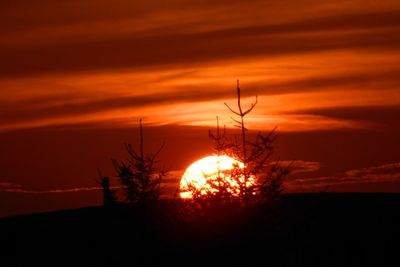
(139, 176)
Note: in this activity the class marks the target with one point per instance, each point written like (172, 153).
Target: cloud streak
(384, 173)
(9, 187)
(134, 52)
(91, 62)
(49, 191)
(180, 45)
(45, 107)
(301, 166)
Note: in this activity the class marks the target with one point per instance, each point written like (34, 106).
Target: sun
(200, 172)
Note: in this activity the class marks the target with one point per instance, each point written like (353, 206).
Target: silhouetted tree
(139, 176)
(258, 180)
(109, 198)
(242, 175)
(221, 143)
(219, 186)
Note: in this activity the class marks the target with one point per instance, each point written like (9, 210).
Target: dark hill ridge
(330, 229)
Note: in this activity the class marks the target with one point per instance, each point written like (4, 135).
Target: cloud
(143, 52)
(9, 185)
(16, 188)
(384, 173)
(180, 52)
(300, 166)
(383, 116)
(168, 188)
(384, 170)
(32, 112)
(315, 65)
(181, 45)
(69, 105)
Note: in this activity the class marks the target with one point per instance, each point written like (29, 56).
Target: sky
(76, 76)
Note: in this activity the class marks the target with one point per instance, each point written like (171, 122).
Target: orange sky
(317, 66)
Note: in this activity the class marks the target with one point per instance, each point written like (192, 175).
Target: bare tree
(139, 175)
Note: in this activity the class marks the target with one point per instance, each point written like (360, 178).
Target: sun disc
(199, 172)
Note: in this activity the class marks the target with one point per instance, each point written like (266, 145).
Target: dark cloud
(349, 21)
(137, 52)
(384, 173)
(301, 166)
(391, 169)
(173, 48)
(28, 15)
(384, 116)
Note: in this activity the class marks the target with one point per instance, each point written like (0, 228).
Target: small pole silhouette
(108, 194)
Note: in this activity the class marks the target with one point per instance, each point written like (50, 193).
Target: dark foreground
(306, 229)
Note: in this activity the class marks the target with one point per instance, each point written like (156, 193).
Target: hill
(330, 229)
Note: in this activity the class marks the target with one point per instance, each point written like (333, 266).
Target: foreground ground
(308, 229)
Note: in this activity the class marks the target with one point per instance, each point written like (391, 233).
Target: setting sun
(200, 173)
